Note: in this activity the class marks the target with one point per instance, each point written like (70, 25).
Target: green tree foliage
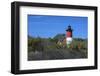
(59, 36)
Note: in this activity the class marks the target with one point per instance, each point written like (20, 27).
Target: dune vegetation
(55, 48)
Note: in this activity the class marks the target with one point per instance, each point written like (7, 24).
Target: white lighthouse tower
(69, 36)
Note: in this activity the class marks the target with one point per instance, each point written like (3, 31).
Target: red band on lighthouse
(69, 34)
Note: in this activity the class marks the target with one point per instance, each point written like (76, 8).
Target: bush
(35, 44)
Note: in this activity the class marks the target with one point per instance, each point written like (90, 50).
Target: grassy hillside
(49, 49)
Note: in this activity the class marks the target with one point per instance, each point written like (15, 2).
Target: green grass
(48, 49)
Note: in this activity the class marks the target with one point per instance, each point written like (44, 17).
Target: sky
(46, 26)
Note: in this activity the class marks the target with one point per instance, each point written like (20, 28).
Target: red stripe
(69, 34)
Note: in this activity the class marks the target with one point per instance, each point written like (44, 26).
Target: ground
(57, 54)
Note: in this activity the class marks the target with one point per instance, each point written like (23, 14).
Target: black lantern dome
(69, 29)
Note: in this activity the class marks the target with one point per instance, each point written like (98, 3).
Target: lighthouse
(69, 36)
